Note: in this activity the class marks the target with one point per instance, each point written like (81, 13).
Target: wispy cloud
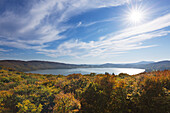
(46, 20)
(115, 43)
(43, 22)
(4, 50)
(80, 24)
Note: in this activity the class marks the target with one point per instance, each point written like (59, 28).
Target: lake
(116, 71)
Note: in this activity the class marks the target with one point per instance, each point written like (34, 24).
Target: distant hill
(147, 65)
(38, 65)
(162, 65)
(143, 62)
(128, 65)
(34, 65)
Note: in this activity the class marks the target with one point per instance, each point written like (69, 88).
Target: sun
(135, 16)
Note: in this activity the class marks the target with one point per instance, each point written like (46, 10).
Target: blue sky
(85, 31)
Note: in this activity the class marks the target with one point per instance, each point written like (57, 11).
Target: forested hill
(34, 65)
(163, 65)
(148, 66)
(38, 65)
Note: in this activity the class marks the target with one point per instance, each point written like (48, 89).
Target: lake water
(116, 71)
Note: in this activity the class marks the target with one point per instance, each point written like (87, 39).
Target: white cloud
(46, 19)
(3, 50)
(111, 44)
(80, 24)
(38, 12)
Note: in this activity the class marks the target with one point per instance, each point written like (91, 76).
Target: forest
(92, 93)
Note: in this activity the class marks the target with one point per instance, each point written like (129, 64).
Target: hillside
(36, 93)
(148, 66)
(163, 65)
(38, 65)
(34, 65)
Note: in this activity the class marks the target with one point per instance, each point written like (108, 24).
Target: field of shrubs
(93, 93)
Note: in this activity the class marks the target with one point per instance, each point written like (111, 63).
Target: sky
(85, 31)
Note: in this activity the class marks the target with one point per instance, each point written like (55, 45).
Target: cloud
(115, 43)
(46, 20)
(4, 50)
(80, 24)
(43, 21)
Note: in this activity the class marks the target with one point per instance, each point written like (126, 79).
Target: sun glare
(135, 16)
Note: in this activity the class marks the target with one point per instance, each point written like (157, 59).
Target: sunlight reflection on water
(116, 71)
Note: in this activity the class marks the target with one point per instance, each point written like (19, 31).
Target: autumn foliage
(103, 93)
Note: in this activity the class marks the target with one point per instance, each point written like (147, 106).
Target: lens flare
(135, 16)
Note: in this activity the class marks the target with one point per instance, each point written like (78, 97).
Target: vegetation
(103, 93)
(34, 65)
